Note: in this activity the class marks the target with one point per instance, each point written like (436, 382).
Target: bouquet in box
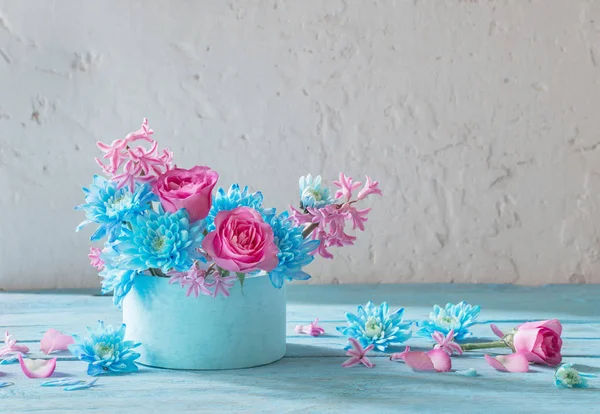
(166, 221)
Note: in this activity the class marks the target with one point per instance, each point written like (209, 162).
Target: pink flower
(434, 360)
(446, 343)
(509, 363)
(11, 347)
(95, 259)
(371, 187)
(241, 242)
(539, 342)
(347, 186)
(358, 355)
(222, 284)
(190, 189)
(312, 329)
(194, 279)
(54, 340)
(37, 368)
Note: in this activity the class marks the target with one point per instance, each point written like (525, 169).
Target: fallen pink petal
(435, 360)
(446, 343)
(508, 363)
(37, 368)
(54, 340)
(357, 355)
(497, 331)
(312, 329)
(11, 347)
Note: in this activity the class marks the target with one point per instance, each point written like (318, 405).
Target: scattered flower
(434, 360)
(295, 251)
(568, 377)
(468, 373)
(312, 194)
(6, 384)
(11, 347)
(222, 284)
(12, 359)
(311, 329)
(358, 355)
(110, 207)
(54, 340)
(374, 325)
(457, 317)
(106, 351)
(508, 363)
(539, 341)
(446, 343)
(95, 258)
(81, 386)
(60, 382)
(37, 368)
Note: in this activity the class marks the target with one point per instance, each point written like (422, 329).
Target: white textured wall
(479, 118)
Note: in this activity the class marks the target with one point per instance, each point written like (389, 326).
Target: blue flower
(294, 250)
(312, 194)
(111, 208)
(374, 325)
(568, 377)
(165, 241)
(223, 201)
(114, 279)
(458, 317)
(105, 350)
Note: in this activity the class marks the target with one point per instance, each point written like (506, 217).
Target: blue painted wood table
(310, 378)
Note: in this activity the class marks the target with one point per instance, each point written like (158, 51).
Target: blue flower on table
(105, 350)
(165, 241)
(312, 193)
(224, 201)
(294, 250)
(568, 377)
(375, 325)
(111, 208)
(457, 317)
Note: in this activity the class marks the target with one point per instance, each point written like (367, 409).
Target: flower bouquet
(169, 235)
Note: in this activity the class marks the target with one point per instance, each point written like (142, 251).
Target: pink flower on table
(508, 363)
(222, 284)
(37, 368)
(312, 329)
(242, 242)
(11, 347)
(54, 340)
(435, 360)
(358, 355)
(446, 343)
(194, 279)
(190, 189)
(95, 259)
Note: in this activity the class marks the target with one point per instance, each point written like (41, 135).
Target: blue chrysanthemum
(458, 317)
(294, 250)
(106, 350)
(374, 325)
(223, 201)
(312, 193)
(165, 241)
(111, 208)
(568, 377)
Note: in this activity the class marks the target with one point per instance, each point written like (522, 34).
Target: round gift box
(243, 330)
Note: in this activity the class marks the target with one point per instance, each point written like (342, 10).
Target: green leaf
(241, 277)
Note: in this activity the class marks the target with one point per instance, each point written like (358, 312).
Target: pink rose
(190, 189)
(540, 342)
(242, 241)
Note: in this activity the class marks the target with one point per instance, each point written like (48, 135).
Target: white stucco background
(479, 119)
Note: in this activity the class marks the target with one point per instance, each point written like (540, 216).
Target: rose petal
(419, 361)
(497, 331)
(37, 368)
(440, 359)
(508, 363)
(54, 340)
(553, 324)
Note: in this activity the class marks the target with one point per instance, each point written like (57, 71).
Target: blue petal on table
(61, 382)
(81, 386)
(6, 384)
(9, 360)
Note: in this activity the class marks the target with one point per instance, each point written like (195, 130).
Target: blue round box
(243, 330)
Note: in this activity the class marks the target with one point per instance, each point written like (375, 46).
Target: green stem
(483, 345)
(309, 229)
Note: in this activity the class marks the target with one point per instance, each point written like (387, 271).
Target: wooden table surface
(310, 378)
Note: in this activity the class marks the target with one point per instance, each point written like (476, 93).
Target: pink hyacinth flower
(194, 279)
(347, 186)
(358, 355)
(37, 368)
(434, 360)
(446, 343)
(312, 329)
(95, 258)
(54, 340)
(222, 284)
(11, 347)
(371, 187)
(508, 363)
